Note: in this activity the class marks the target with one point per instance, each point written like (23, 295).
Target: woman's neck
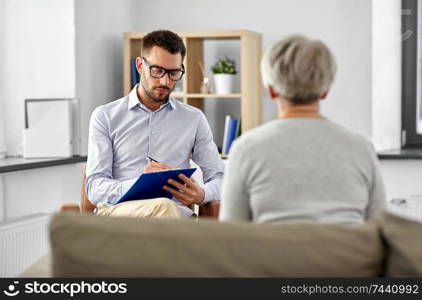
(288, 110)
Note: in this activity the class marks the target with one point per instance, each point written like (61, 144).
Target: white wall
(2, 48)
(387, 40)
(99, 58)
(402, 177)
(344, 25)
(38, 59)
(42, 190)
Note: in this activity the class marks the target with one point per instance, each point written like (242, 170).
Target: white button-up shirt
(124, 132)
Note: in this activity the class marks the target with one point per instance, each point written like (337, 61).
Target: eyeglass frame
(166, 71)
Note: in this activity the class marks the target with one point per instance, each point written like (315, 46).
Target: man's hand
(188, 193)
(153, 166)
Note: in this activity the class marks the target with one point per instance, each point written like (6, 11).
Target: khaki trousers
(151, 208)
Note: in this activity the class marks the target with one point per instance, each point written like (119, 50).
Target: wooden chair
(85, 206)
(208, 210)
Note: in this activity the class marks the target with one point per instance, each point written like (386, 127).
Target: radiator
(22, 242)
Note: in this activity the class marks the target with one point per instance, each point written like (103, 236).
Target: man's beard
(162, 98)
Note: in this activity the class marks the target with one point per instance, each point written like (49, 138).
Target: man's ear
(138, 64)
(323, 96)
(272, 92)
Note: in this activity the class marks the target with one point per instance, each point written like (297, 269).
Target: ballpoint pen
(150, 158)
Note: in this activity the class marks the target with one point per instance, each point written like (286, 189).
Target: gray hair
(298, 69)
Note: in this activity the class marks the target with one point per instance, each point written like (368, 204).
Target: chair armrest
(70, 207)
(210, 209)
(85, 204)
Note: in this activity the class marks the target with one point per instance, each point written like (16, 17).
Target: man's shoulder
(114, 106)
(185, 107)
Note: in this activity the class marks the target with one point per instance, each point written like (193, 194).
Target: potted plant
(224, 70)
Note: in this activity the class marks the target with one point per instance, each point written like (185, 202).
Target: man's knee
(164, 203)
(165, 206)
(158, 207)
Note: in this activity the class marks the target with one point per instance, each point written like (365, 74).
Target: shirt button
(151, 154)
(152, 132)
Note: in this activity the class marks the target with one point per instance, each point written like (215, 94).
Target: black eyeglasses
(159, 72)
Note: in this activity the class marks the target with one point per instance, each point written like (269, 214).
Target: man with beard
(148, 130)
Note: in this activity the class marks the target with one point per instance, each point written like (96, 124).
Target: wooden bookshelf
(235, 96)
(250, 80)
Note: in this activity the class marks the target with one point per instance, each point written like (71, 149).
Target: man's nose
(165, 80)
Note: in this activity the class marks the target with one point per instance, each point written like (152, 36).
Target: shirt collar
(134, 101)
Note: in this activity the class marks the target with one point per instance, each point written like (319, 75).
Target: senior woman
(301, 167)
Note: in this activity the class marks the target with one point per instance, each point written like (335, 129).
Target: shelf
(196, 95)
(238, 95)
(400, 154)
(13, 164)
(182, 95)
(178, 94)
(217, 34)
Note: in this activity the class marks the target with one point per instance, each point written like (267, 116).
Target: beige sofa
(92, 246)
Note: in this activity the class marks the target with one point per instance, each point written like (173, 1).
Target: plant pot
(223, 83)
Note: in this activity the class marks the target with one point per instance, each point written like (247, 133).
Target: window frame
(410, 137)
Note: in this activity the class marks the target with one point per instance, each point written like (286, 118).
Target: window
(411, 74)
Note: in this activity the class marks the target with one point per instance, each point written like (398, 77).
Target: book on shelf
(238, 128)
(134, 75)
(226, 127)
(231, 132)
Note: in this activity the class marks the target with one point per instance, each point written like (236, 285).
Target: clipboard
(150, 185)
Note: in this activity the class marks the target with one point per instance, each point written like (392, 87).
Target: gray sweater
(302, 170)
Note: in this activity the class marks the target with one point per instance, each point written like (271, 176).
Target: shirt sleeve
(377, 197)
(235, 202)
(205, 155)
(101, 187)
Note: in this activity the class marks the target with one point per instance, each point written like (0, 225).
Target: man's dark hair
(165, 39)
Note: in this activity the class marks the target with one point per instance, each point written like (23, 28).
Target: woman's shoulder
(289, 130)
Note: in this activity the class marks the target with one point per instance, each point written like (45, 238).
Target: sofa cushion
(404, 247)
(93, 246)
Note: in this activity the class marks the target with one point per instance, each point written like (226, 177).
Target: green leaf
(224, 66)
